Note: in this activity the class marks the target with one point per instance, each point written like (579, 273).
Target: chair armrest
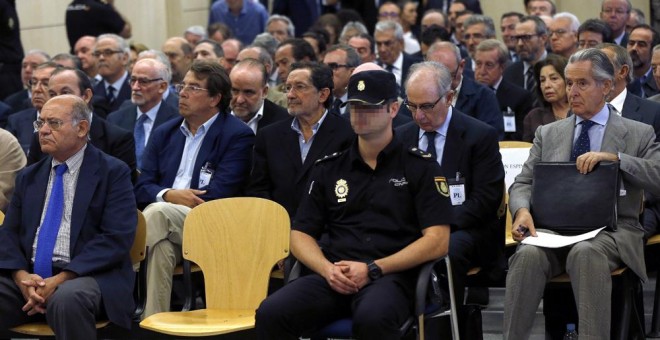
(141, 287)
(426, 275)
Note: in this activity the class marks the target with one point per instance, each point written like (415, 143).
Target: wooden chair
(138, 256)
(236, 242)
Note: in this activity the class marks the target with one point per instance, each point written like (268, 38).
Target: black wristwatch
(375, 272)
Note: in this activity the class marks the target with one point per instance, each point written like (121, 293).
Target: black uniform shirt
(370, 214)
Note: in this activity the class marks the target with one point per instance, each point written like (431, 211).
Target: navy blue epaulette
(328, 157)
(420, 153)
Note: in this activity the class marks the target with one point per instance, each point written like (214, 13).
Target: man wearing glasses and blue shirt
(203, 155)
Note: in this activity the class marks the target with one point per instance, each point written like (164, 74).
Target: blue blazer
(227, 147)
(20, 125)
(478, 101)
(103, 222)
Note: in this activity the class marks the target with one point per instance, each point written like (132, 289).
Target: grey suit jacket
(639, 167)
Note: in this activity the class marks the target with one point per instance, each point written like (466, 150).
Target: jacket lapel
(88, 180)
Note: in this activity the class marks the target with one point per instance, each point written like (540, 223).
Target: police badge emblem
(441, 185)
(341, 190)
(360, 85)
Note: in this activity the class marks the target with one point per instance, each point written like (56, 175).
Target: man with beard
(148, 109)
(249, 89)
(641, 41)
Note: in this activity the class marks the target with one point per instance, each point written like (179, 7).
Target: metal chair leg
(452, 304)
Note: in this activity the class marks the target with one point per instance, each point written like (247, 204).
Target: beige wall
(42, 21)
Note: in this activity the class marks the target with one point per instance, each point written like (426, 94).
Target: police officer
(386, 211)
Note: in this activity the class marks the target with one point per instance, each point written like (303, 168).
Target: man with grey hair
(589, 263)
(280, 27)
(563, 35)
(194, 34)
(469, 97)
(149, 80)
(389, 43)
(261, 54)
(514, 102)
(616, 13)
(637, 17)
(170, 96)
(352, 29)
(342, 59)
(626, 103)
(112, 52)
(21, 100)
(531, 37)
(468, 152)
(476, 29)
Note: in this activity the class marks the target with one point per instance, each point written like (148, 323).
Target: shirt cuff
(159, 197)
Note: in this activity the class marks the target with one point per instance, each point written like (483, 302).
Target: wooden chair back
(138, 250)
(514, 154)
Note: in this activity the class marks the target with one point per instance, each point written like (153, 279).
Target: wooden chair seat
(42, 328)
(203, 322)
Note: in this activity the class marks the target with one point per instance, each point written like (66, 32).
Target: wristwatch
(375, 272)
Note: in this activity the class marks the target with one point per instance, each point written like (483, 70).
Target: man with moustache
(249, 89)
(148, 110)
(642, 39)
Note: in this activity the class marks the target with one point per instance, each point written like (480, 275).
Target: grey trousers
(71, 311)
(588, 263)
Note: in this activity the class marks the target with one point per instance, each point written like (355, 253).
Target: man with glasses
(112, 52)
(249, 92)
(203, 155)
(384, 215)
(21, 100)
(468, 151)
(148, 109)
(68, 232)
(20, 123)
(563, 34)
(309, 134)
(531, 37)
(392, 12)
(593, 32)
(589, 263)
(469, 97)
(389, 43)
(342, 60)
(616, 13)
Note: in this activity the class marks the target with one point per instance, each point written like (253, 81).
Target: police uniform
(368, 214)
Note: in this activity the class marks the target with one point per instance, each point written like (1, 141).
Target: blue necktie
(43, 259)
(140, 136)
(582, 145)
(430, 138)
(110, 95)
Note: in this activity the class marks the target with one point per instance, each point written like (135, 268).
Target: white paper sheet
(548, 240)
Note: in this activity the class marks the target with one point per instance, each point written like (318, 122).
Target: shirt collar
(442, 129)
(201, 130)
(74, 162)
(618, 101)
(117, 85)
(600, 118)
(295, 126)
(150, 113)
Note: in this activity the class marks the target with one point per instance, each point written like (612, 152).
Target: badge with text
(441, 185)
(341, 190)
(457, 190)
(205, 175)
(509, 120)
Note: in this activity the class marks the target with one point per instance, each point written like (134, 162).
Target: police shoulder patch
(420, 153)
(328, 157)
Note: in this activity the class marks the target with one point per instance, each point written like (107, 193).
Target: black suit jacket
(272, 113)
(107, 137)
(18, 101)
(101, 106)
(125, 117)
(515, 74)
(278, 172)
(408, 60)
(642, 110)
(478, 101)
(471, 148)
(519, 100)
(20, 125)
(368, 10)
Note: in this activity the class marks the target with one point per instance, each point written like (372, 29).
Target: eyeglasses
(179, 88)
(617, 11)
(386, 43)
(335, 66)
(298, 88)
(524, 37)
(426, 107)
(559, 32)
(106, 53)
(54, 124)
(389, 14)
(475, 36)
(34, 83)
(143, 81)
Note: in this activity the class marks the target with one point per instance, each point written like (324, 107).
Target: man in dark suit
(149, 80)
(20, 123)
(389, 42)
(68, 231)
(514, 102)
(468, 152)
(626, 103)
(249, 88)
(20, 100)
(108, 138)
(471, 98)
(616, 13)
(642, 40)
(303, 13)
(342, 59)
(113, 53)
(203, 155)
(285, 152)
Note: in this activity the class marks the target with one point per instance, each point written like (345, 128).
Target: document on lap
(548, 240)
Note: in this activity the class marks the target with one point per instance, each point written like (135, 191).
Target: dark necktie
(582, 144)
(430, 139)
(389, 68)
(530, 82)
(110, 95)
(140, 136)
(43, 259)
(335, 109)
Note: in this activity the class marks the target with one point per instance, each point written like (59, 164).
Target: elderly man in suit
(108, 138)
(149, 80)
(589, 77)
(389, 43)
(203, 155)
(249, 89)
(112, 52)
(468, 151)
(68, 231)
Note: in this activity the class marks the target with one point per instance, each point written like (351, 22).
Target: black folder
(570, 203)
